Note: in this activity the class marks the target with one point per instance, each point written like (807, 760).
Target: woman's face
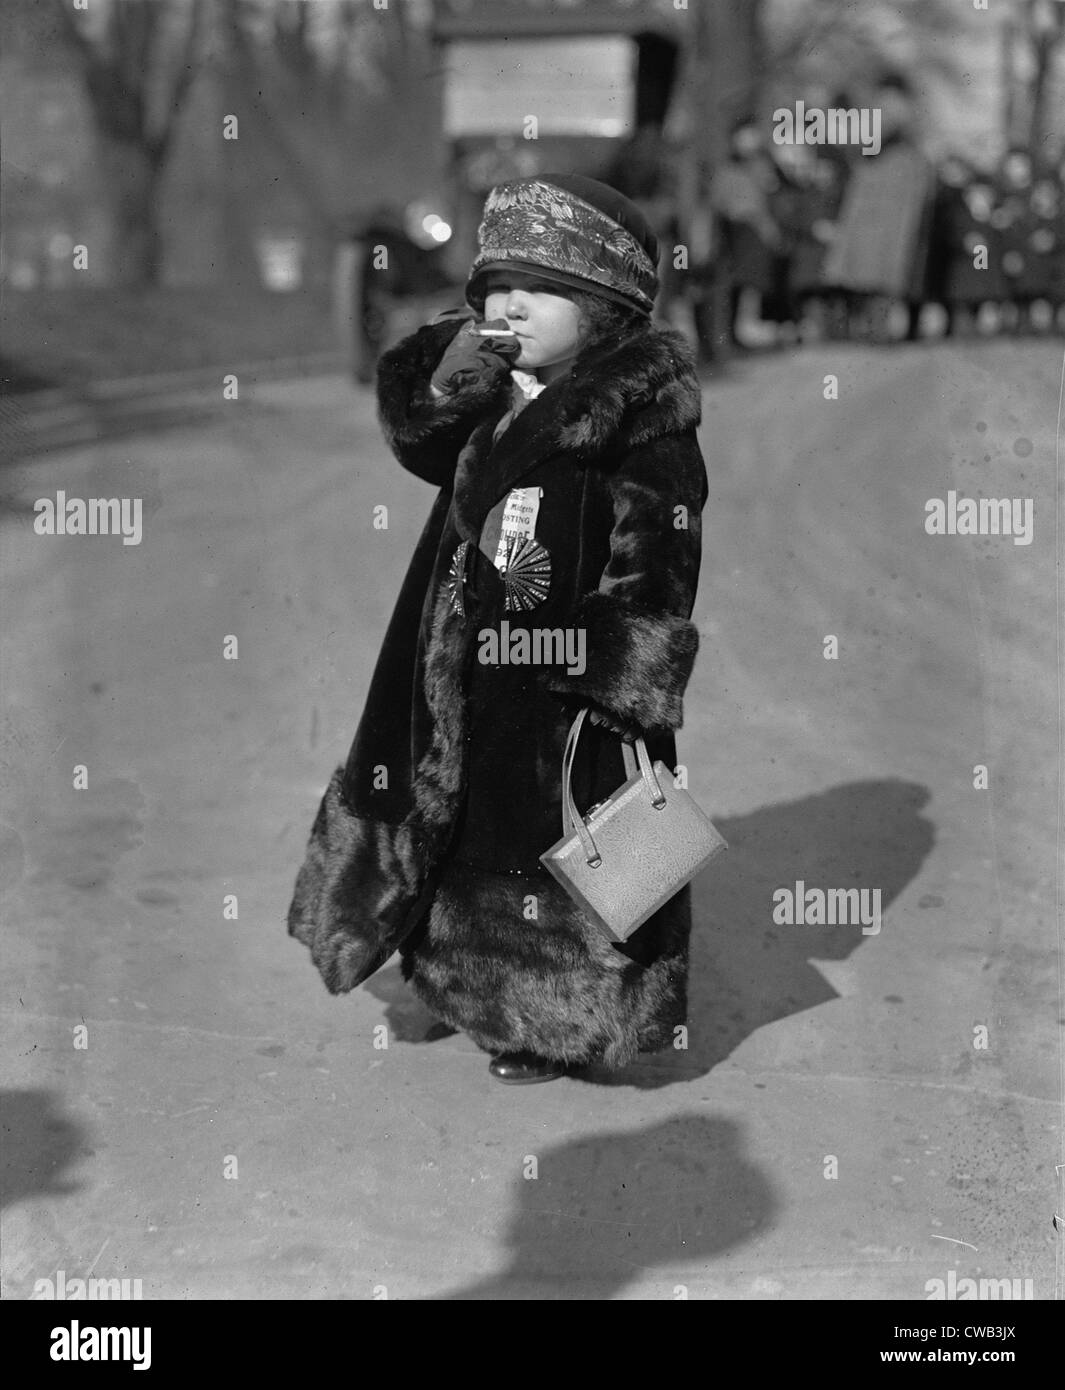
(546, 322)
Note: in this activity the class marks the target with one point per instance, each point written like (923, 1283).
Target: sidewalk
(37, 422)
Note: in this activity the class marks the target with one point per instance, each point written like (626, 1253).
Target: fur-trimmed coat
(445, 858)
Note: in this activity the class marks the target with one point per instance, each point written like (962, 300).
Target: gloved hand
(471, 358)
(628, 733)
(573, 705)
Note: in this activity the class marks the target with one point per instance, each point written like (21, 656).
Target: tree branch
(245, 70)
(186, 75)
(72, 29)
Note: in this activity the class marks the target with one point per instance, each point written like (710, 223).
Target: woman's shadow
(40, 1144)
(600, 1211)
(746, 971)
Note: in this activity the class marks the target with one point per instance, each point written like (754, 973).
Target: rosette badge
(527, 577)
(456, 578)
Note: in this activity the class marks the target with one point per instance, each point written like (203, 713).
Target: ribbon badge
(508, 539)
(523, 563)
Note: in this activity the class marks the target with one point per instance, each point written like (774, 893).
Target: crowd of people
(792, 242)
(797, 241)
(820, 244)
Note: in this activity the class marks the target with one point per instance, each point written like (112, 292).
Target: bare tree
(341, 92)
(138, 62)
(839, 42)
(1043, 26)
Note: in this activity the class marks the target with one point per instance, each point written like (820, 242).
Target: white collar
(527, 383)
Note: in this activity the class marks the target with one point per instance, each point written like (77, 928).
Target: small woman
(567, 524)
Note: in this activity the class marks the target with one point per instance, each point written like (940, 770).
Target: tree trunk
(1008, 79)
(1044, 47)
(134, 181)
(741, 44)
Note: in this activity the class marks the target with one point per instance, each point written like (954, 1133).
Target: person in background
(947, 214)
(971, 247)
(1014, 220)
(1057, 255)
(780, 304)
(1037, 285)
(750, 237)
(837, 307)
(881, 249)
(385, 267)
(807, 211)
(645, 172)
(964, 271)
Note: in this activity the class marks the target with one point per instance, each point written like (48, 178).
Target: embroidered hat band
(548, 229)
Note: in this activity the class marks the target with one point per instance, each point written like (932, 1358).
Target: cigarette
(495, 332)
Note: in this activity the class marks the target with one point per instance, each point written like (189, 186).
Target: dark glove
(573, 704)
(471, 359)
(607, 721)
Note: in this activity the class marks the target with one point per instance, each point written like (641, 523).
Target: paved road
(836, 1127)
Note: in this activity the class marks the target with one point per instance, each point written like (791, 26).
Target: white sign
(519, 519)
(572, 86)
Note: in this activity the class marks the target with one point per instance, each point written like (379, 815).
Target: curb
(40, 421)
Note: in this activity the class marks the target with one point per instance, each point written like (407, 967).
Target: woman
(562, 441)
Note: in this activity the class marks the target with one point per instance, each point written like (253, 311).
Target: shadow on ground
(407, 1017)
(39, 1144)
(604, 1210)
(746, 971)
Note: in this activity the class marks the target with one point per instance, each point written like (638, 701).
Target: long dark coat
(444, 858)
(1031, 246)
(956, 232)
(882, 235)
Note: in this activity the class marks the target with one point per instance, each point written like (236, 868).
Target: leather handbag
(629, 854)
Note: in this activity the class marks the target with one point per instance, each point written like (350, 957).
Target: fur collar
(617, 395)
(639, 388)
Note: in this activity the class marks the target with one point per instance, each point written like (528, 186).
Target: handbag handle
(571, 819)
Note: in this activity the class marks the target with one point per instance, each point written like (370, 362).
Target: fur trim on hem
(356, 891)
(441, 774)
(554, 986)
(353, 891)
(639, 663)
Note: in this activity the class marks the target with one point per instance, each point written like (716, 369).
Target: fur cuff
(639, 663)
(353, 896)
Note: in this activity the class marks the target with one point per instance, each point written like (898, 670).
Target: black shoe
(524, 1068)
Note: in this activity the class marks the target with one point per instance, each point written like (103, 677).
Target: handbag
(629, 854)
